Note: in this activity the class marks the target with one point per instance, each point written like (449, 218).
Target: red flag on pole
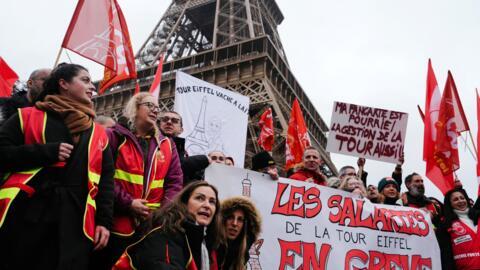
(137, 88)
(98, 31)
(8, 77)
(478, 141)
(451, 121)
(432, 107)
(265, 140)
(155, 88)
(297, 138)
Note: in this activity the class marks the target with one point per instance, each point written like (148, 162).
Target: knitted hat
(385, 181)
(262, 160)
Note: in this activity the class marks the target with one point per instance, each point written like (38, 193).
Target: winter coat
(193, 167)
(162, 250)
(253, 223)
(173, 180)
(304, 174)
(45, 231)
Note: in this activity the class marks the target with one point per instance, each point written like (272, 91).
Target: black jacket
(60, 193)
(158, 247)
(193, 167)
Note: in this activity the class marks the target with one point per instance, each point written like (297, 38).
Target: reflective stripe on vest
(33, 128)
(33, 124)
(97, 143)
(130, 175)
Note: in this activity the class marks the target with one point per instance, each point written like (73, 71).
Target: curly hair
(130, 110)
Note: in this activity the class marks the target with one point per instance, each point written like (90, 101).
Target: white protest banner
(306, 226)
(367, 132)
(214, 119)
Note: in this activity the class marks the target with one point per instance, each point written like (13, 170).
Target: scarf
(463, 216)
(205, 257)
(77, 116)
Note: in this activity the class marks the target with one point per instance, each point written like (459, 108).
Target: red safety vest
(125, 261)
(130, 174)
(33, 124)
(465, 246)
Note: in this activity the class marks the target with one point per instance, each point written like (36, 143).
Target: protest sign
(214, 119)
(367, 132)
(306, 226)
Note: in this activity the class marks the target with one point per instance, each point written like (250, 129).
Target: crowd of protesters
(81, 191)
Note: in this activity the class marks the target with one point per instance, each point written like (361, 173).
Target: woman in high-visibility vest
(56, 201)
(147, 173)
(458, 235)
(185, 234)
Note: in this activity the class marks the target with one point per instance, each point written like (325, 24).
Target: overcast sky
(368, 52)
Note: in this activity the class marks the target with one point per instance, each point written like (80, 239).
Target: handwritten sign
(306, 226)
(367, 132)
(214, 118)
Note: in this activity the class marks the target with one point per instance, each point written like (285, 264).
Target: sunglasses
(151, 106)
(174, 120)
(220, 158)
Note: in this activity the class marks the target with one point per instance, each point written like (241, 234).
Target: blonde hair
(130, 110)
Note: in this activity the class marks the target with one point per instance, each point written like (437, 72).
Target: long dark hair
(63, 71)
(450, 215)
(171, 217)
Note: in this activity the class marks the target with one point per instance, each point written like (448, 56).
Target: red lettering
(298, 200)
(286, 247)
(335, 202)
(307, 250)
(312, 196)
(355, 255)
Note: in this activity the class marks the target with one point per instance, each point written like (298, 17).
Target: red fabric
(432, 107)
(303, 175)
(130, 160)
(7, 78)
(478, 141)
(98, 31)
(265, 140)
(137, 88)
(297, 137)
(155, 88)
(465, 246)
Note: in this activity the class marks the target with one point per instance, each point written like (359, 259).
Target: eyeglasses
(220, 158)
(174, 120)
(151, 106)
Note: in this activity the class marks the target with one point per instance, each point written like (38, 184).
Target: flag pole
(473, 143)
(58, 57)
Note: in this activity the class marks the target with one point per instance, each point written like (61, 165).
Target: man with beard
(415, 197)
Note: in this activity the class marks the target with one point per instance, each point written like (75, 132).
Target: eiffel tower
(233, 44)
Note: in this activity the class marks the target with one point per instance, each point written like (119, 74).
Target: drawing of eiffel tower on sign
(197, 141)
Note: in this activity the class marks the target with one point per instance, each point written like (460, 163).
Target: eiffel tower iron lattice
(233, 44)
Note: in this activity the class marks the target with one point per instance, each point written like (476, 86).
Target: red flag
(8, 77)
(98, 31)
(432, 107)
(265, 140)
(451, 121)
(478, 141)
(137, 88)
(155, 88)
(297, 138)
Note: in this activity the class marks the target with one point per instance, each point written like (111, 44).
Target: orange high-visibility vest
(130, 174)
(125, 261)
(33, 124)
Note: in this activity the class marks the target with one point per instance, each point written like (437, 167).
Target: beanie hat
(262, 160)
(385, 181)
